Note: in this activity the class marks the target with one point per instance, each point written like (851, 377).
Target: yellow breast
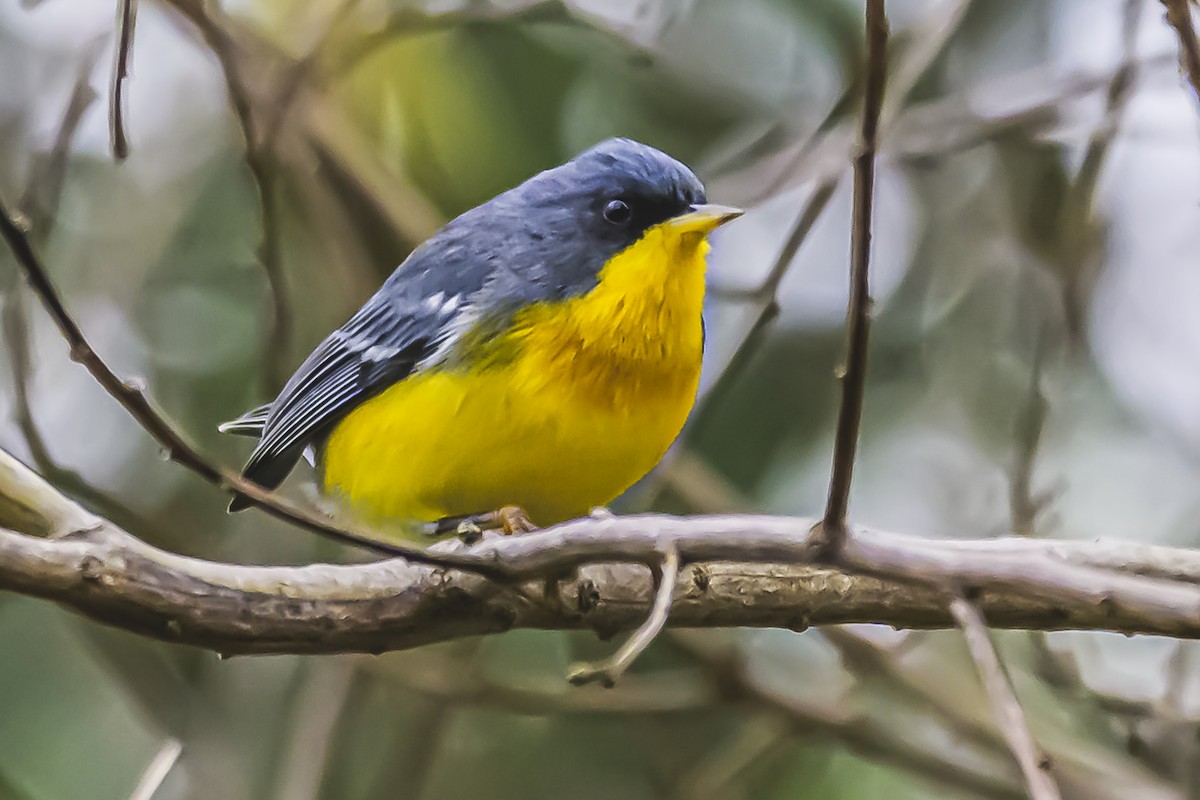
(587, 397)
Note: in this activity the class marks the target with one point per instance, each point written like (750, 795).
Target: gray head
(613, 193)
(549, 237)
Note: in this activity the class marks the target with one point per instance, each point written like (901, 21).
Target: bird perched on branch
(537, 355)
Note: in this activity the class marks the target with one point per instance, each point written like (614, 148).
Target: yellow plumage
(573, 404)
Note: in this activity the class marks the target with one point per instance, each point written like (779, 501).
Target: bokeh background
(1035, 366)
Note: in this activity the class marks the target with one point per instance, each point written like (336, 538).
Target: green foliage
(996, 262)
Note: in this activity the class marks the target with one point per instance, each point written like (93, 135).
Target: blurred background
(1035, 367)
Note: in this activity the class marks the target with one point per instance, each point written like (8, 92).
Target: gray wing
(381, 344)
(476, 270)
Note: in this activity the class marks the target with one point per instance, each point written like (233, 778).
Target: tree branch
(132, 397)
(1035, 765)
(94, 568)
(832, 530)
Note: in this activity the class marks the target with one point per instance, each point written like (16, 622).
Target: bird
(536, 357)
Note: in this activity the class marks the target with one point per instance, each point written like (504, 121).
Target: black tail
(249, 424)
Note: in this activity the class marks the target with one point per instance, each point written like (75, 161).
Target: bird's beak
(703, 218)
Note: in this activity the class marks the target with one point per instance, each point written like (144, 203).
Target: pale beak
(703, 218)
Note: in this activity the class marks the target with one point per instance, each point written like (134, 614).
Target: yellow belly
(444, 444)
(573, 404)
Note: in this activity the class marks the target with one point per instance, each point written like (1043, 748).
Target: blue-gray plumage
(544, 240)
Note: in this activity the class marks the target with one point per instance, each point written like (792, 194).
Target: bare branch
(1024, 503)
(947, 767)
(126, 19)
(1035, 765)
(766, 294)
(157, 770)
(755, 574)
(1179, 16)
(133, 399)
(39, 202)
(832, 530)
(609, 671)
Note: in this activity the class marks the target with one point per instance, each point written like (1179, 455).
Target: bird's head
(570, 221)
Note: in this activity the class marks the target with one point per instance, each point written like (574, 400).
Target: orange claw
(514, 520)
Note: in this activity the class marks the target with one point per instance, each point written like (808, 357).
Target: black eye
(617, 212)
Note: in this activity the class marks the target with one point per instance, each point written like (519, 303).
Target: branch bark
(740, 571)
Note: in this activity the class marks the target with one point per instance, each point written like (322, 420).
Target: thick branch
(94, 568)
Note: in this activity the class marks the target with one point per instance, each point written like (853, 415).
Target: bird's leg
(466, 527)
(470, 527)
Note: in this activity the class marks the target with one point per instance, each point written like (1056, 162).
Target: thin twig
(609, 671)
(1080, 230)
(132, 397)
(1035, 765)
(48, 172)
(833, 721)
(832, 530)
(1179, 16)
(1026, 505)
(157, 770)
(39, 203)
(766, 294)
(118, 137)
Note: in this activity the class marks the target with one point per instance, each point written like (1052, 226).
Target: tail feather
(249, 424)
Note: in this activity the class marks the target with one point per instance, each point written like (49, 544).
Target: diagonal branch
(1035, 765)
(133, 399)
(832, 530)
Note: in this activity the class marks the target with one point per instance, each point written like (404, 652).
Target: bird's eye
(617, 212)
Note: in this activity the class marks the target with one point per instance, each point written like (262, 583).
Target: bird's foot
(513, 520)
(470, 527)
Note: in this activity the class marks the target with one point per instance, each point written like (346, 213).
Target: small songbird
(541, 351)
